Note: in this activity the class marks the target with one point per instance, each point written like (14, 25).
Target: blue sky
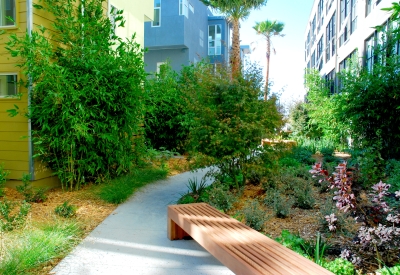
(287, 65)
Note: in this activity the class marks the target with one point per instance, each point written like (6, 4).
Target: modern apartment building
(337, 29)
(184, 32)
(16, 147)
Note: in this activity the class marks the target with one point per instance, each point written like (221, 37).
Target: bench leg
(174, 231)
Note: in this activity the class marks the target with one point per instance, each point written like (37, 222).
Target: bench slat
(239, 247)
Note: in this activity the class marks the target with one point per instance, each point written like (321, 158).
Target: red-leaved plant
(379, 236)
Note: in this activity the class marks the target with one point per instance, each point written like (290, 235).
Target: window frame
(16, 16)
(215, 40)
(16, 74)
(159, 12)
(184, 8)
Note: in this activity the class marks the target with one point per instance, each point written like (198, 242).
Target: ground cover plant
(86, 92)
(35, 237)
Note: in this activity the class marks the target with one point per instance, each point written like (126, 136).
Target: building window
(313, 24)
(320, 48)
(214, 40)
(344, 10)
(328, 6)
(8, 85)
(320, 14)
(330, 37)
(353, 16)
(184, 8)
(201, 40)
(313, 60)
(330, 79)
(7, 13)
(369, 52)
(191, 8)
(157, 14)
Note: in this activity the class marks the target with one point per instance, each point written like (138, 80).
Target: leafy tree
(164, 120)
(371, 100)
(235, 10)
(86, 92)
(268, 29)
(229, 121)
(324, 109)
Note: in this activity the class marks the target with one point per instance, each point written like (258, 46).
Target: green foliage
(65, 210)
(34, 247)
(220, 198)
(254, 215)
(3, 176)
(292, 241)
(86, 92)
(254, 177)
(393, 172)
(31, 194)
(280, 203)
(196, 193)
(229, 121)
(120, 189)
(300, 123)
(340, 266)
(289, 162)
(323, 109)
(371, 100)
(11, 219)
(302, 155)
(389, 270)
(304, 195)
(316, 250)
(165, 110)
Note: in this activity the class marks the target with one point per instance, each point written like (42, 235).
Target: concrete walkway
(133, 239)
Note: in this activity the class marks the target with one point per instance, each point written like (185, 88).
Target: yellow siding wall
(136, 12)
(13, 147)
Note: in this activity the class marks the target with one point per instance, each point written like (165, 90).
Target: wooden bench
(239, 247)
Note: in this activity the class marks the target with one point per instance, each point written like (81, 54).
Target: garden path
(133, 239)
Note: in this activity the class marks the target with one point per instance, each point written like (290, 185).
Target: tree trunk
(235, 53)
(267, 68)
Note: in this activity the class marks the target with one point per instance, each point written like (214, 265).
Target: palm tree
(235, 10)
(268, 29)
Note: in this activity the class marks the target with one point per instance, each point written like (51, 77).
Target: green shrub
(220, 198)
(65, 210)
(304, 195)
(11, 219)
(31, 194)
(302, 155)
(340, 266)
(185, 199)
(254, 177)
(280, 203)
(289, 162)
(229, 120)
(87, 93)
(3, 176)
(393, 172)
(196, 192)
(165, 111)
(254, 215)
